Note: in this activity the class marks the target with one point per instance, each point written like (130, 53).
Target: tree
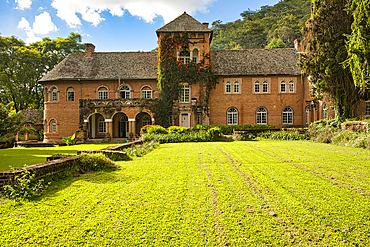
(359, 44)
(9, 118)
(276, 43)
(324, 36)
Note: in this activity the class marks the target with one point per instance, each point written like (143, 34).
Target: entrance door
(123, 127)
(185, 120)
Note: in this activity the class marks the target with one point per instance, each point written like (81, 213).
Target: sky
(111, 25)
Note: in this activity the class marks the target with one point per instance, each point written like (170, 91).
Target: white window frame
(185, 94)
(236, 87)
(185, 59)
(126, 92)
(257, 87)
(54, 94)
(195, 56)
(307, 113)
(291, 87)
(146, 94)
(70, 94)
(288, 115)
(261, 115)
(103, 93)
(228, 87)
(290, 84)
(282, 87)
(102, 128)
(53, 126)
(265, 87)
(232, 116)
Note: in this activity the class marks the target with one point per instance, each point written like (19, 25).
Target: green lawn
(258, 193)
(19, 157)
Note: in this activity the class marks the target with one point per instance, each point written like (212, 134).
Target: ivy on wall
(173, 74)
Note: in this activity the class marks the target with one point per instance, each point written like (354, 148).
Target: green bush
(25, 186)
(140, 150)
(215, 133)
(191, 136)
(70, 140)
(177, 129)
(283, 135)
(95, 162)
(156, 129)
(228, 129)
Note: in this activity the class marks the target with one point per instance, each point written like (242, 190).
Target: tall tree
(359, 44)
(324, 36)
(9, 118)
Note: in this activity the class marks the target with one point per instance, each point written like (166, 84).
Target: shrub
(140, 150)
(177, 129)
(70, 140)
(283, 135)
(228, 129)
(95, 162)
(215, 133)
(25, 186)
(191, 136)
(153, 129)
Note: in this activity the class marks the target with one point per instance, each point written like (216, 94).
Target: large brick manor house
(99, 94)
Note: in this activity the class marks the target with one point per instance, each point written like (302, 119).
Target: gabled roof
(184, 23)
(256, 62)
(105, 65)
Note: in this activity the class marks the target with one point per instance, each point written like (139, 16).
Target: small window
(199, 119)
(307, 114)
(185, 56)
(236, 87)
(232, 116)
(146, 121)
(367, 108)
(324, 111)
(146, 93)
(195, 56)
(53, 126)
(70, 94)
(291, 87)
(257, 87)
(265, 87)
(125, 92)
(228, 87)
(283, 87)
(102, 127)
(102, 93)
(261, 115)
(288, 115)
(54, 95)
(185, 94)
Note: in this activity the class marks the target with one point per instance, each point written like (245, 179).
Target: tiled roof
(105, 65)
(256, 62)
(184, 23)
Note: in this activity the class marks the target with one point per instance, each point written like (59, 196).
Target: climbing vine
(173, 74)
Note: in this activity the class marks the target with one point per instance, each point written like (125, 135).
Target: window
(185, 56)
(283, 87)
(324, 111)
(307, 114)
(185, 94)
(53, 126)
(261, 115)
(291, 87)
(146, 120)
(288, 115)
(199, 119)
(102, 93)
(146, 93)
(125, 92)
(54, 95)
(228, 87)
(101, 125)
(70, 94)
(195, 56)
(236, 87)
(232, 116)
(265, 88)
(367, 108)
(257, 87)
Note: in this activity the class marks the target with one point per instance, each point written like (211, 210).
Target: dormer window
(184, 56)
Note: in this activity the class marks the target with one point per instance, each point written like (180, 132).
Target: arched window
(102, 93)
(146, 92)
(232, 116)
(53, 126)
(54, 94)
(324, 111)
(307, 110)
(288, 115)
(265, 87)
(282, 87)
(256, 86)
(101, 125)
(261, 115)
(228, 87)
(195, 56)
(125, 92)
(146, 120)
(184, 56)
(70, 94)
(236, 87)
(291, 87)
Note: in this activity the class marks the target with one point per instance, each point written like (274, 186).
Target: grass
(19, 157)
(262, 193)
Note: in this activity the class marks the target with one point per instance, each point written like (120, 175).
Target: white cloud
(42, 25)
(23, 4)
(90, 10)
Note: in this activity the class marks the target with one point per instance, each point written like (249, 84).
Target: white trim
(108, 120)
(131, 119)
(86, 120)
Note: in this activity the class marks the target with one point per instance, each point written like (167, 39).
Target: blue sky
(111, 25)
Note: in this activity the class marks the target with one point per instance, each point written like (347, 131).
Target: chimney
(298, 45)
(89, 49)
(205, 24)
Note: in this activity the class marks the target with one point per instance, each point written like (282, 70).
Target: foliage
(28, 130)
(324, 36)
(191, 136)
(258, 28)
(215, 133)
(25, 186)
(140, 150)
(153, 129)
(70, 140)
(177, 129)
(228, 129)
(10, 120)
(358, 43)
(276, 43)
(172, 73)
(95, 162)
(285, 135)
